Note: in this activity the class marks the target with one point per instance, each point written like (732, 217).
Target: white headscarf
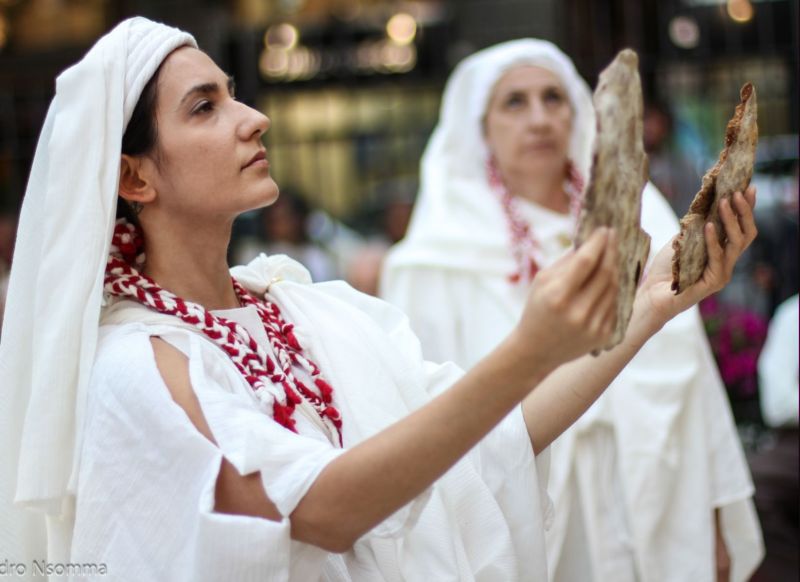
(55, 291)
(458, 222)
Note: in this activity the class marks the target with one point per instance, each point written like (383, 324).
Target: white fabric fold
(156, 520)
(53, 305)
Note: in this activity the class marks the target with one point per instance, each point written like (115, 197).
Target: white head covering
(458, 222)
(55, 292)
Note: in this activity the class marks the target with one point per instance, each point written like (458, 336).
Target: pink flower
(736, 336)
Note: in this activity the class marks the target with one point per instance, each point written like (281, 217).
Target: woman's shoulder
(124, 354)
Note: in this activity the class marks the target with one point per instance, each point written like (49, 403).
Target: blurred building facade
(353, 87)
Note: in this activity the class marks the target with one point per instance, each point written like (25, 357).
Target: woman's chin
(270, 192)
(537, 167)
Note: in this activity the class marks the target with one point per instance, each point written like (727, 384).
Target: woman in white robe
(161, 420)
(651, 483)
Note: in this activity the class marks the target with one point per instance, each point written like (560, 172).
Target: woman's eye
(554, 97)
(203, 107)
(515, 100)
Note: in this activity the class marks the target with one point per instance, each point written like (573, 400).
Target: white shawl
(54, 296)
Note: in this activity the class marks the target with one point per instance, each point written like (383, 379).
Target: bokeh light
(401, 28)
(740, 10)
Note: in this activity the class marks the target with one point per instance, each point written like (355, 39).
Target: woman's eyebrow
(208, 89)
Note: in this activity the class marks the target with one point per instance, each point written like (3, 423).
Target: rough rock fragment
(619, 173)
(730, 174)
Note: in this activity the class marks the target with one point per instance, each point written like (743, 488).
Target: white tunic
(145, 493)
(636, 479)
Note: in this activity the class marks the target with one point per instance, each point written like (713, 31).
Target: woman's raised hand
(572, 305)
(737, 217)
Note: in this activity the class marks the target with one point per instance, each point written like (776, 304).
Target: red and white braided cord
(273, 383)
(524, 246)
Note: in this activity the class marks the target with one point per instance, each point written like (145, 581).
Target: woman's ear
(135, 184)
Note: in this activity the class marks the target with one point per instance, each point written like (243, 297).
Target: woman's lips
(259, 160)
(544, 146)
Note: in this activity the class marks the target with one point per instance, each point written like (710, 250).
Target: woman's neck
(546, 191)
(190, 260)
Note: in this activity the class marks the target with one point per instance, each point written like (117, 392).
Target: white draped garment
(636, 480)
(145, 495)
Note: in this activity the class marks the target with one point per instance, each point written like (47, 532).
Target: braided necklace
(274, 383)
(524, 245)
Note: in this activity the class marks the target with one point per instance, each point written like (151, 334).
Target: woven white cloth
(53, 306)
(636, 479)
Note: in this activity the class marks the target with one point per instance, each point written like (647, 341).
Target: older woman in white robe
(651, 483)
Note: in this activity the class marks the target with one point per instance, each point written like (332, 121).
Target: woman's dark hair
(141, 135)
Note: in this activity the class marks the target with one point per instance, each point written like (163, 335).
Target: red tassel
(325, 389)
(282, 416)
(292, 339)
(291, 395)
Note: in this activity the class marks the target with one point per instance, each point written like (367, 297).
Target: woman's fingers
(715, 268)
(586, 259)
(594, 307)
(744, 204)
(567, 313)
(750, 196)
(738, 220)
(733, 229)
(603, 279)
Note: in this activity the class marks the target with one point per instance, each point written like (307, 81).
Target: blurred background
(353, 89)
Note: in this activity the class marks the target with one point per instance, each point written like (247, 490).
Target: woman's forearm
(564, 395)
(368, 483)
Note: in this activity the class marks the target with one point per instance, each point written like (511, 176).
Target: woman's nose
(538, 116)
(254, 123)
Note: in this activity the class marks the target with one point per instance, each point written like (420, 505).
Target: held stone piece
(619, 173)
(730, 174)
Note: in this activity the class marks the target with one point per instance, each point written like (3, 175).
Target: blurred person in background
(163, 417)
(775, 464)
(672, 172)
(651, 484)
(778, 368)
(363, 271)
(396, 204)
(383, 223)
(283, 230)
